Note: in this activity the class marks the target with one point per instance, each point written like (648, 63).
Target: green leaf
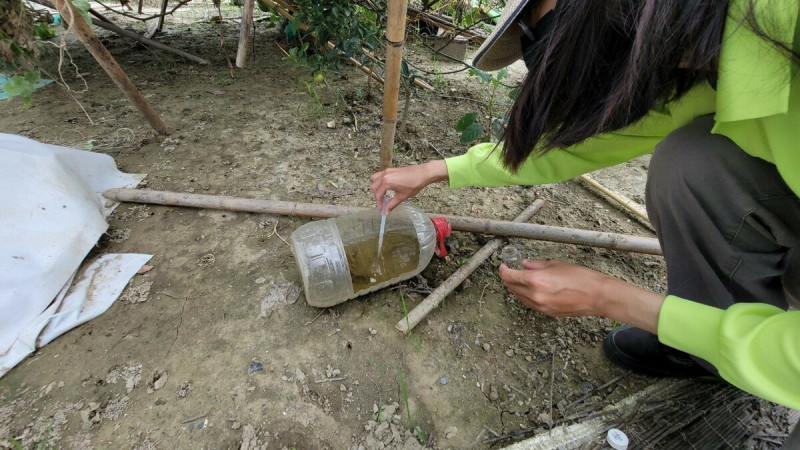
(471, 133)
(83, 9)
(23, 87)
(501, 74)
(482, 76)
(43, 31)
(465, 121)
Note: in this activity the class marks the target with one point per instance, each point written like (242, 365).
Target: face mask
(531, 36)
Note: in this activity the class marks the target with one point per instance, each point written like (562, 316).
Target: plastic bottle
(338, 258)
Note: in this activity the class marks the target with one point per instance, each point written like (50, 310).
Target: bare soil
(215, 347)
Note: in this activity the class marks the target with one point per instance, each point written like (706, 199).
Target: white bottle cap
(617, 439)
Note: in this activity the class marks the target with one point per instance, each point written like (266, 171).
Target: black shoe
(640, 351)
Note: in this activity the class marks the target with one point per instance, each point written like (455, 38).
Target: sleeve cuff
(458, 171)
(690, 327)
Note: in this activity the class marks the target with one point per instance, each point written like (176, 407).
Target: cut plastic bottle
(338, 258)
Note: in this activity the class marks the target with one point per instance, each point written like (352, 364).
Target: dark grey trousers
(728, 224)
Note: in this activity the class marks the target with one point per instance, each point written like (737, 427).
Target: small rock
(161, 381)
(450, 432)
(255, 366)
(444, 380)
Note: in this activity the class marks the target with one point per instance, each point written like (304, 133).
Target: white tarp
(52, 213)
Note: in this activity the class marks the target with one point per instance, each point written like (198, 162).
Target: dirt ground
(215, 346)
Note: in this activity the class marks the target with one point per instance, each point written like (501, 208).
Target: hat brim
(502, 47)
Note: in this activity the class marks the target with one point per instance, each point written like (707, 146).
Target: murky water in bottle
(399, 254)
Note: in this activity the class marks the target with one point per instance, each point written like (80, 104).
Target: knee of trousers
(689, 163)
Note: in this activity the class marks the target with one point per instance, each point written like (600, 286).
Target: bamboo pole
(612, 241)
(627, 203)
(244, 32)
(415, 316)
(395, 37)
(89, 39)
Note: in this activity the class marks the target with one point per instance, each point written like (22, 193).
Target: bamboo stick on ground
(415, 316)
(244, 32)
(612, 241)
(627, 203)
(89, 39)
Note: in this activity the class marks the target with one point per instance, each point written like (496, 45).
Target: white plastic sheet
(52, 213)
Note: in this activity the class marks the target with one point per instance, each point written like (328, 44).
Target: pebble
(444, 380)
(255, 366)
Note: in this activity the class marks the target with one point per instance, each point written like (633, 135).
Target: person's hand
(561, 289)
(406, 182)
(556, 288)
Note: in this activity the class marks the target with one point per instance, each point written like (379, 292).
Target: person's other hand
(406, 182)
(557, 288)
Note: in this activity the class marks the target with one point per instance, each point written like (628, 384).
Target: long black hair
(605, 64)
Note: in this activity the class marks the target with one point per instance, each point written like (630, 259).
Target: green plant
(439, 81)
(409, 421)
(378, 417)
(43, 31)
(349, 27)
(22, 86)
(409, 335)
(316, 107)
(405, 314)
(470, 128)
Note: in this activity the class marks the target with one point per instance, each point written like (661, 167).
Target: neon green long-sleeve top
(754, 346)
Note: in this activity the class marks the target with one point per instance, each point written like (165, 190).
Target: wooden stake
(395, 37)
(416, 315)
(244, 32)
(89, 39)
(627, 203)
(163, 13)
(612, 241)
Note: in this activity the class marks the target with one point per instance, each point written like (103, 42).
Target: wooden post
(161, 17)
(395, 37)
(244, 32)
(85, 34)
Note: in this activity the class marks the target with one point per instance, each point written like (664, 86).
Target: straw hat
(502, 47)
